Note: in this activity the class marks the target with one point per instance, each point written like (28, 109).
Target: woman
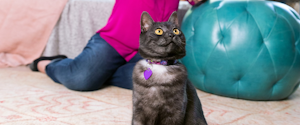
(110, 55)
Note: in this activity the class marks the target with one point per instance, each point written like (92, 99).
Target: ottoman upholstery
(243, 49)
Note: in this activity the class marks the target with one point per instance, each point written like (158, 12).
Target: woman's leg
(90, 69)
(123, 76)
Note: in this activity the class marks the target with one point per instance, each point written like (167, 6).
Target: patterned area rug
(31, 98)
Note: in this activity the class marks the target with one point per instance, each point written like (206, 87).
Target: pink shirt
(123, 28)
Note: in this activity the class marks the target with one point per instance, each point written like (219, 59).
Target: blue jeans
(98, 65)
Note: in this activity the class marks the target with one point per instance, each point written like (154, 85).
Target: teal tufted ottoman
(243, 49)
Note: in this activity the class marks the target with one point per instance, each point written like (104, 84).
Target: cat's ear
(173, 18)
(146, 21)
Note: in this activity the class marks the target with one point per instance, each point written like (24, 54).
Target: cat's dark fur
(167, 97)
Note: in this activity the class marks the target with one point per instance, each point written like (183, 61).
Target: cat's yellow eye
(159, 31)
(176, 31)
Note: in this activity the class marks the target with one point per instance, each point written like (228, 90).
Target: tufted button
(245, 49)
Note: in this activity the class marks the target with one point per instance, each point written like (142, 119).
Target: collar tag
(147, 73)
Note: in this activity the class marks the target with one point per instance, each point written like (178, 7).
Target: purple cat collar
(163, 62)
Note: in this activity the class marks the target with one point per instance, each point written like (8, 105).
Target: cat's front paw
(134, 122)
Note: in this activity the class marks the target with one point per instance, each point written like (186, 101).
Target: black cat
(162, 94)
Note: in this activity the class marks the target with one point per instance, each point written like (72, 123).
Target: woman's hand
(195, 1)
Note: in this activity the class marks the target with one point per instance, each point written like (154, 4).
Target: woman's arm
(193, 2)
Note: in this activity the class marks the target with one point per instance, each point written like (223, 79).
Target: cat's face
(161, 40)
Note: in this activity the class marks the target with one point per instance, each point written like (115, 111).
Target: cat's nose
(171, 34)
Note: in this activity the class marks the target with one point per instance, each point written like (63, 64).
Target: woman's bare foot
(42, 65)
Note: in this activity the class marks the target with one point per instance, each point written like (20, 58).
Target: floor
(31, 98)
